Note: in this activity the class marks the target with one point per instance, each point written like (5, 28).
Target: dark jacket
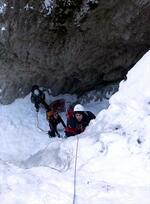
(75, 127)
(39, 99)
(53, 122)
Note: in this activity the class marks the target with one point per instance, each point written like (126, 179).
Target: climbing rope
(75, 170)
(37, 124)
(76, 156)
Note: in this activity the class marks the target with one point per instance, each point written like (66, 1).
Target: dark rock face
(70, 51)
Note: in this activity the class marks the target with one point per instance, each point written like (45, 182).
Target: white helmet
(78, 108)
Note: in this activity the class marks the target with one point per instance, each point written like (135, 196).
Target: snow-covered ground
(113, 157)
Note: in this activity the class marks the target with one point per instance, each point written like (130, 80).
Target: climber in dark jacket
(38, 98)
(79, 121)
(54, 119)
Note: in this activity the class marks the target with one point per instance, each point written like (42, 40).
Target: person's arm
(35, 102)
(71, 129)
(90, 115)
(61, 121)
(46, 106)
(42, 100)
(37, 107)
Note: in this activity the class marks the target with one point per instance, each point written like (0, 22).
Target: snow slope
(113, 158)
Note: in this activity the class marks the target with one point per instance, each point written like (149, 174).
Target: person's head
(78, 116)
(34, 87)
(78, 112)
(36, 92)
(79, 108)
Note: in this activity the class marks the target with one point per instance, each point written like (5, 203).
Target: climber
(54, 119)
(79, 121)
(38, 98)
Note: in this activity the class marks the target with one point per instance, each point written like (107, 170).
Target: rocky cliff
(69, 46)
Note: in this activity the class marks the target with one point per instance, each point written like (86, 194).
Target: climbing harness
(75, 170)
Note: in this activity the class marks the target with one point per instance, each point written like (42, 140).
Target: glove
(58, 135)
(70, 131)
(51, 134)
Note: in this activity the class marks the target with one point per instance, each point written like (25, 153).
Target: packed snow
(109, 163)
(48, 5)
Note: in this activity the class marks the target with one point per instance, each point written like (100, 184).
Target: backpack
(69, 113)
(49, 115)
(57, 105)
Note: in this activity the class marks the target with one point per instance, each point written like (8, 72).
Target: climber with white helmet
(79, 120)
